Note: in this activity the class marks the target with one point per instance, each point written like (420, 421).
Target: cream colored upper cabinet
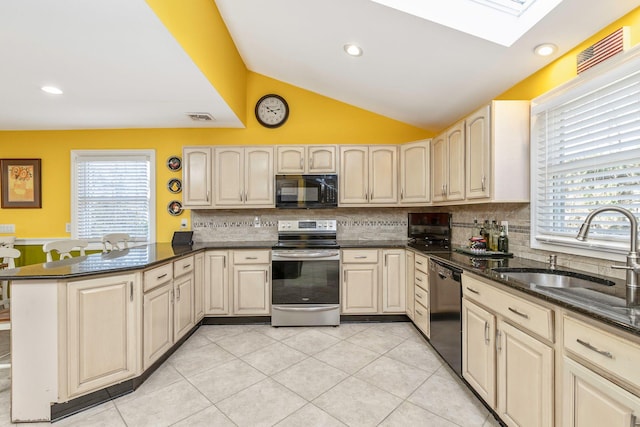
(321, 159)
(305, 159)
(497, 152)
(448, 165)
(354, 175)
(415, 171)
(243, 177)
(368, 175)
(196, 177)
(103, 332)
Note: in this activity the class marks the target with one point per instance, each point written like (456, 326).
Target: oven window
(305, 282)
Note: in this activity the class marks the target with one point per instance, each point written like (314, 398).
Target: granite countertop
(599, 305)
(368, 243)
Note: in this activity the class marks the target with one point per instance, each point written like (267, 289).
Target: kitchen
(355, 221)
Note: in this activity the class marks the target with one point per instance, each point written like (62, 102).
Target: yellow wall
(564, 68)
(314, 119)
(200, 30)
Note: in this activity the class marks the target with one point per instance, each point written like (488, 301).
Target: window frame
(95, 243)
(590, 80)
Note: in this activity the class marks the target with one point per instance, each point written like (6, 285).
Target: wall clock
(272, 111)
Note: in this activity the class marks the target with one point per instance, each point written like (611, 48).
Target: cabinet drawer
(421, 318)
(422, 280)
(422, 296)
(157, 276)
(359, 256)
(422, 263)
(183, 266)
(529, 315)
(251, 257)
(612, 353)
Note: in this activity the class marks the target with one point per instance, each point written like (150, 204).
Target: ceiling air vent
(201, 117)
(614, 43)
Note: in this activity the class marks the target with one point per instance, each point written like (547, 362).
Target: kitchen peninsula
(92, 328)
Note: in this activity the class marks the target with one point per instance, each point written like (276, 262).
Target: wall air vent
(614, 43)
(201, 117)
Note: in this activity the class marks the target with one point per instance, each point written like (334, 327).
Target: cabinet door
(158, 323)
(415, 184)
(440, 167)
(198, 289)
(394, 286)
(359, 288)
(455, 176)
(321, 159)
(354, 175)
(525, 378)
(410, 279)
(102, 332)
(383, 174)
(590, 400)
(478, 154)
(216, 294)
(478, 350)
(290, 159)
(228, 176)
(251, 290)
(258, 173)
(196, 177)
(183, 313)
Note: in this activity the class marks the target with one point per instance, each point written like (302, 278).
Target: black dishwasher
(445, 304)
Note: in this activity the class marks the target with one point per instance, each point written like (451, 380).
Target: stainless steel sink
(552, 278)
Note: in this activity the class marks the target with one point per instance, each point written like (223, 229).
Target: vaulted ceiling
(121, 68)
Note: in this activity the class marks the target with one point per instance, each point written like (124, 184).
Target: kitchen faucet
(632, 267)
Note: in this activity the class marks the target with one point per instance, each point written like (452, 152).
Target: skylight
(498, 21)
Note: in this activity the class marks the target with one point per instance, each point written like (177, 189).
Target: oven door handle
(306, 255)
(307, 309)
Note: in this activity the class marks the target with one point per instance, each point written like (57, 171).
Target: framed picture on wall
(20, 182)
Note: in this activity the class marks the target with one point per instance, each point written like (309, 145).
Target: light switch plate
(67, 227)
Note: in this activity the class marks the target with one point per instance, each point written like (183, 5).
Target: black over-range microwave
(306, 191)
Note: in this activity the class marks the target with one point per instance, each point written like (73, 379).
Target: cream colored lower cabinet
(183, 310)
(103, 335)
(199, 285)
(589, 400)
(410, 281)
(478, 350)
(394, 287)
(359, 287)
(158, 323)
(251, 282)
(511, 369)
(421, 294)
(216, 293)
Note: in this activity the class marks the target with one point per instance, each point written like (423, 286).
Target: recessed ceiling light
(545, 49)
(353, 50)
(52, 90)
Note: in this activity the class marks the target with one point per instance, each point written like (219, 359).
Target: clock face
(272, 111)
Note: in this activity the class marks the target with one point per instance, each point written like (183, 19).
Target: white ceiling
(120, 68)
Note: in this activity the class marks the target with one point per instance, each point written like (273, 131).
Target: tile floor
(358, 374)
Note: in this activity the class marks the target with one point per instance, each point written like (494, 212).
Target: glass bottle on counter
(484, 231)
(503, 241)
(494, 234)
(475, 231)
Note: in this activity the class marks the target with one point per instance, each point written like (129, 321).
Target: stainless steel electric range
(305, 274)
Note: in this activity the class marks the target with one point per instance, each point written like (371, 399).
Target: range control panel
(308, 225)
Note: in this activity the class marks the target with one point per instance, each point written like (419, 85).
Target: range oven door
(305, 287)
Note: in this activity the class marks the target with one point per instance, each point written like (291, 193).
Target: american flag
(607, 47)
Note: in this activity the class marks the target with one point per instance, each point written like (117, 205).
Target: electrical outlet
(7, 228)
(183, 223)
(505, 224)
(67, 227)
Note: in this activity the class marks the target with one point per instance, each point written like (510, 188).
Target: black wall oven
(305, 274)
(306, 191)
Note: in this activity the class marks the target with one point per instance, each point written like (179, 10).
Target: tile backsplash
(386, 224)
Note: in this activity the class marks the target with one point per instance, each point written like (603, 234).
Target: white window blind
(112, 192)
(586, 155)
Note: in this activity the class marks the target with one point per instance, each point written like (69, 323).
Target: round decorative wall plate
(174, 185)
(174, 163)
(174, 208)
